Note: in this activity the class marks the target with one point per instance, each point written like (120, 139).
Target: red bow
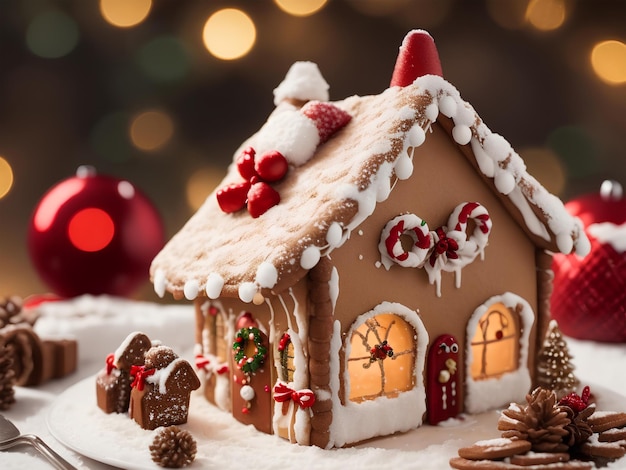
(305, 398)
(109, 362)
(203, 363)
(140, 373)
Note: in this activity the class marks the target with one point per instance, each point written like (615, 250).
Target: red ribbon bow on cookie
(140, 373)
(110, 363)
(305, 398)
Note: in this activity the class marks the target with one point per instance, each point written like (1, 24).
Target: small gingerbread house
(370, 264)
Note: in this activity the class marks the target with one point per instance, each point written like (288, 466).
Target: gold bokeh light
(6, 177)
(608, 59)
(546, 15)
(200, 185)
(125, 13)
(301, 7)
(229, 34)
(151, 130)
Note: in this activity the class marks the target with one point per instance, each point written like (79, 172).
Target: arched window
(498, 341)
(382, 358)
(495, 345)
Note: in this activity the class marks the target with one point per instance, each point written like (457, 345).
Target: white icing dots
(416, 136)
(191, 289)
(505, 182)
(266, 275)
(447, 106)
(461, 134)
(334, 234)
(310, 257)
(214, 285)
(431, 112)
(403, 167)
(159, 282)
(564, 242)
(247, 291)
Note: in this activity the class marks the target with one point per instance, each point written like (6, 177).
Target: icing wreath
(245, 363)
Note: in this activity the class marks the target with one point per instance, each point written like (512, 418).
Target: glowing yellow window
(495, 346)
(382, 358)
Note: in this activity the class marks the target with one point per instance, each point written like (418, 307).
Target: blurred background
(162, 92)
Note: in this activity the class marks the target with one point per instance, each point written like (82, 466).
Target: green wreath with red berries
(243, 362)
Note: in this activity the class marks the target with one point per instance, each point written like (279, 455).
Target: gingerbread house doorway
(497, 352)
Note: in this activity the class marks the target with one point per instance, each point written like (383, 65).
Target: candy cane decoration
(477, 240)
(390, 245)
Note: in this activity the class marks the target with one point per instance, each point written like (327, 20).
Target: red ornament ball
(94, 234)
(589, 295)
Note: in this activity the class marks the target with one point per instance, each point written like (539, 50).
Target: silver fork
(10, 436)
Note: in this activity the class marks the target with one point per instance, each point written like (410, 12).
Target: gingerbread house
(391, 269)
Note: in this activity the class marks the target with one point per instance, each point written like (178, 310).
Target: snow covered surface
(68, 406)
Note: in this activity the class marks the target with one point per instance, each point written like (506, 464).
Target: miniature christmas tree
(555, 370)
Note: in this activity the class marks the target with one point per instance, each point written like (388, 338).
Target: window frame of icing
(506, 387)
(357, 421)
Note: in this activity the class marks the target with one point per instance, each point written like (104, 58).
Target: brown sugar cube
(113, 383)
(161, 389)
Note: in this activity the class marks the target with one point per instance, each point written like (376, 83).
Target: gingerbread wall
(442, 179)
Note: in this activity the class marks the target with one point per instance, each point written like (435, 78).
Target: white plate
(115, 439)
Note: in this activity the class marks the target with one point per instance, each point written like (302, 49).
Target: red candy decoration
(261, 198)
(328, 118)
(418, 56)
(233, 197)
(255, 192)
(271, 166)
(575, 402)
(589, 294)
(245, 164)
(94, 234)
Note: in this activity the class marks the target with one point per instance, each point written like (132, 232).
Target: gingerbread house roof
(325, 198)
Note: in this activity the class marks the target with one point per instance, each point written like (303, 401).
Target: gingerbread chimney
(418, 56)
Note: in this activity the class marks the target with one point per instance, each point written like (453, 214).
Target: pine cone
(540, 422)
(578, 429)
(7, 379)
(173, 448)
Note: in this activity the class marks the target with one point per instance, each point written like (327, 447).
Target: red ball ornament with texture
(589, 296)
(94, 234)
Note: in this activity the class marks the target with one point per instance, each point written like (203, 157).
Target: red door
(443, 379)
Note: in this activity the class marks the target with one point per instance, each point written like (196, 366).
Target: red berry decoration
(328, 118)
(232, 198)
(271, 166)
(418, 56)
(261, 198)
(589, 296)
(94, 234)
(245, 163)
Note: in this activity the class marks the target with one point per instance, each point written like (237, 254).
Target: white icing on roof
(231, 254)
(303, 82)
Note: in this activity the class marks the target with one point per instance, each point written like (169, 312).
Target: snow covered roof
(328, 194)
